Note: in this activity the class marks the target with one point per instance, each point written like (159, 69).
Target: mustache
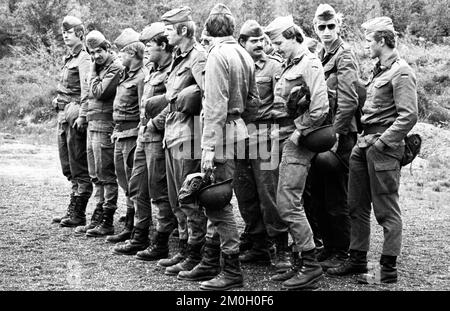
(258, 49)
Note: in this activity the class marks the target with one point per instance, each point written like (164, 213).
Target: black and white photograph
(256, 148)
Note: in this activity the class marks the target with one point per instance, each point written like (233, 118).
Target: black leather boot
(78, 217)
(282, 260)
(230, 277)
(308, 275)
(335, 260)
(259, 253)
(96, 219)
(106, 227)
(159, 249)
(138, 242)
(193, 258)
(178, 257)
(208, 268)
(386, 274)
(355, 264)
(69, 210)
(295, 266)
(125, 234)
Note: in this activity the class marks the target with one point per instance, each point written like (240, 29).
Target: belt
(125, 125)
(233, 117)
(99, 116)
(374, 129)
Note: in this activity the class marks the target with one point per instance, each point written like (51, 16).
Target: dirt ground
(38, 255)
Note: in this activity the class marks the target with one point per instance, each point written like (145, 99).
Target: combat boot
(159, 249)
(282, 261)
(78, 217)
(178, 257)
(259, 252)
(230, 277)
(355, 264)
(334, 261)
(208, 268)
(308, 275)
(69, 210)
(125, 234)
(96, 219)
(138, 242)
(387, 273)
(295, 266)
(106, 227)
(193, 258)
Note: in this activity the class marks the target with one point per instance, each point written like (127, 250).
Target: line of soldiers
(168, 108)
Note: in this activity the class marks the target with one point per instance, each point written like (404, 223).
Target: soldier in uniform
(302, 70)
(329, 186)
(255, 184)
(230, 96)
(179, 123)
(126, 118)
(389, 113)
(104, 77)
(71, 104)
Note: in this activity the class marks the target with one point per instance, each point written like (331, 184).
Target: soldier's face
(285, 47)
(327, 31)
(255, 46)
(99, 55)
(125, 57)
(154, 51)
(172, 35)
(372, 47)
(70, 38)
(206, 41)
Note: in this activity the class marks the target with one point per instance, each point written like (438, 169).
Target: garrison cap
(71, 21)
(325, 12)
(251, 28)
(278, 25)
(220, 8)
(94, 39)
(127, 37)
(383, 23)
(152, 31)
(178, 15)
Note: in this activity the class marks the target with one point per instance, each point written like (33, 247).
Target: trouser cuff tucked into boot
(178, 257)
(193, 258)
(209, 266)
(125, 234)
(230, 277)
(78, 216)
(159, 249)
(309, 274)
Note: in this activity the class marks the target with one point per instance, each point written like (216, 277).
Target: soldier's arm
(405, 99)
(160, 120)
(215, 104)
(198, 67)
(347, 96)
(106, 87)
(84, 69)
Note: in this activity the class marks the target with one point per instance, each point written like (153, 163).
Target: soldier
(206, 40)
(179, 122)
(71, 104)
(329, 172)
(302, 70)
(148, 182)
(255, 185)
(104, 77)
(126, 118)
(389, 113)
(230, 91)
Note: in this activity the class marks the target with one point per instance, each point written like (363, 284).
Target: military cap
(127, 37)
(94, 39)
(220, 8)
(378, 24)
(71, 21)
(178, 15)
(152, 31)
(155, 105)
(325, 12)
(251, 28)
(278, 25)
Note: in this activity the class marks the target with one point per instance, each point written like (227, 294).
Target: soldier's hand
(207, 160)
(80, 124)
(379, 145)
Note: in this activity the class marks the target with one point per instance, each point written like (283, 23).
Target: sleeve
(84, 69)
(160, 120)
(347, 96)
(198, 67)
(405, 99)
(319, 106)
(215, 104)
(106, 87)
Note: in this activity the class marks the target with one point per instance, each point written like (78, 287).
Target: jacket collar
(261, 62)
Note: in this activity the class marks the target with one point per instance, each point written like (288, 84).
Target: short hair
(79, 31)
(339, 17)
(190, 26)
(220, 25)
(243, 38)
(389, 37)
(160, 39)
(294, 32)
(136, 47)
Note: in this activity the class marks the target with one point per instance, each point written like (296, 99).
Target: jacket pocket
(387, 176)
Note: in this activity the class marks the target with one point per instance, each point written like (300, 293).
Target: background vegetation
(31, 46)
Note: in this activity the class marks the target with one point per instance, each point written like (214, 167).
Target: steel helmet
(192, 184)
(155, 105)
(319, 140)
(216, 196)
(189, 100)
(329, 162)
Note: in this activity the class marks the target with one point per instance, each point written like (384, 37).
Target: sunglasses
(329, 26)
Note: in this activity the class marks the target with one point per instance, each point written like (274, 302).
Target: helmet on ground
(216, 196)
(328, 162)
(191, 187)
(320, 139)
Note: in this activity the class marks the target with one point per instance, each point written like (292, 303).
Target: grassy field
(38, 255)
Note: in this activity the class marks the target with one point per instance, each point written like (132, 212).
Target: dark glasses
(329, 26)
